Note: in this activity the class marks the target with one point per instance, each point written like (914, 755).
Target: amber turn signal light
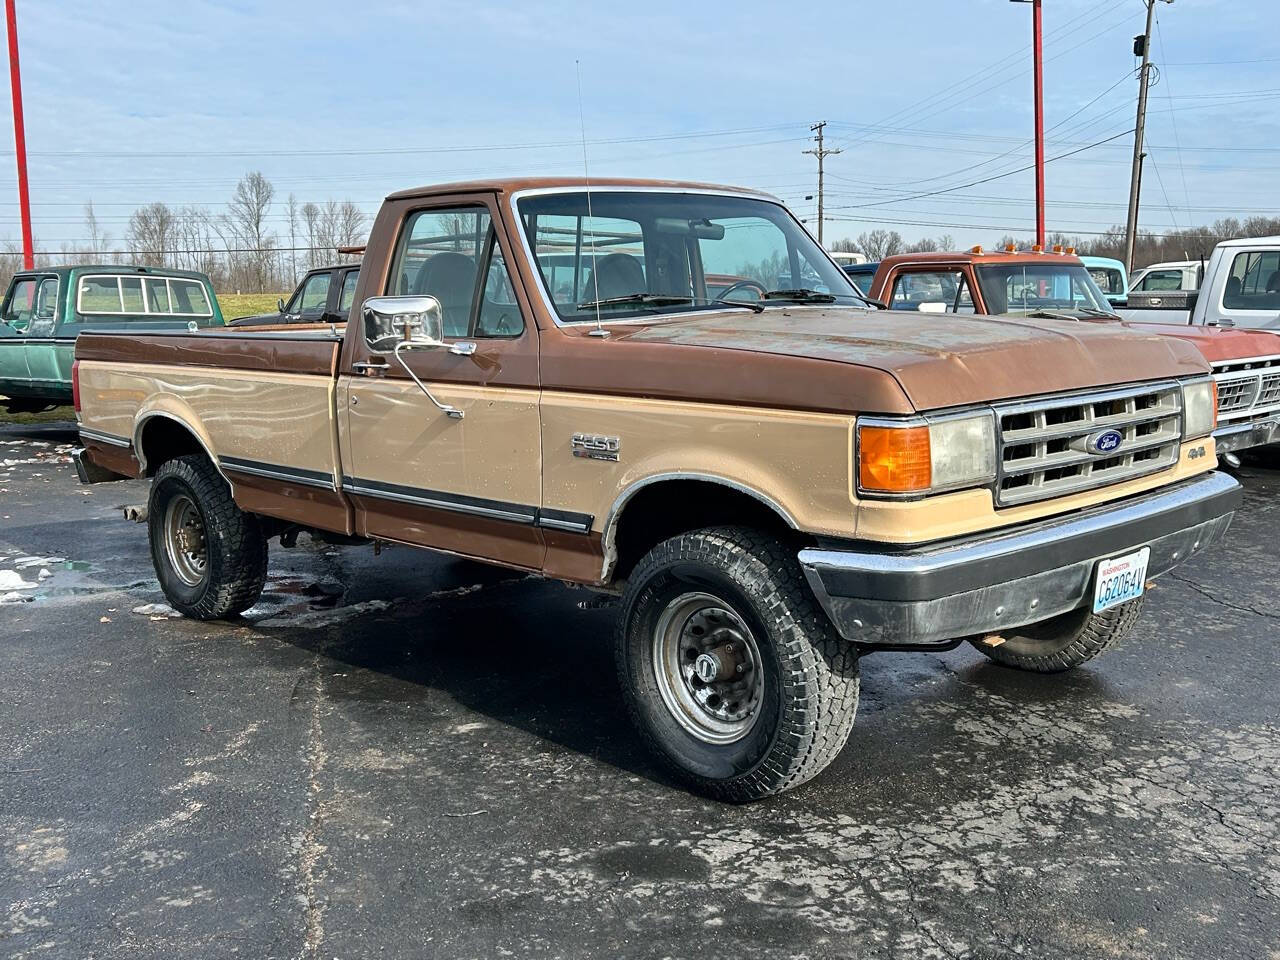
(894, 459)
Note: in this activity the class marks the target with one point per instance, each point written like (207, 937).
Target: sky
(131, 103)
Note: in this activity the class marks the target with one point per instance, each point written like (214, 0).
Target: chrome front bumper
(1251, 433)
(928, 595)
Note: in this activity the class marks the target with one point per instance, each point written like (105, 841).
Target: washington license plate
(1120, 579)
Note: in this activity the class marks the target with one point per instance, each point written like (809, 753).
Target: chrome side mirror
(396, 325)
(390, 321)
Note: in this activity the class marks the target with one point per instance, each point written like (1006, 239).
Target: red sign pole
(19, 136)
(1038, 53)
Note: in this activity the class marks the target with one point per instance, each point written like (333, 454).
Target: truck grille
(1247, 389)
(1043, 450)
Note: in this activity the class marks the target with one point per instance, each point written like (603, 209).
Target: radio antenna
(599, 331)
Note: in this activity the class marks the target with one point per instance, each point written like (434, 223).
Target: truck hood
(944, 360)
(1221, 344)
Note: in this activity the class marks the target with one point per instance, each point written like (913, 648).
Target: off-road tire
(1064, 642)
(235, 546)
(810, 678)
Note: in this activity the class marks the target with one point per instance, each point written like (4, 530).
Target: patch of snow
(12, 580)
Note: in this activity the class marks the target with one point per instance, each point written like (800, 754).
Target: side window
(499, 312)
(438, 256)
(1162, 280)
(931, 291)
(348, 292)
(315, 294)
(21, 305)
(1254, 282)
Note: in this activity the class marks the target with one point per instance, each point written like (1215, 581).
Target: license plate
(1120, 579)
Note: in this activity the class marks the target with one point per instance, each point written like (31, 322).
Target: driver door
(416, 475)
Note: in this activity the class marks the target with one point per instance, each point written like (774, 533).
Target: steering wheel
(759, 287)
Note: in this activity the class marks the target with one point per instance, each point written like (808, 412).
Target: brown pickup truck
(536, 375)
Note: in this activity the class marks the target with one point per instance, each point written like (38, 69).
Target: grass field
(246, 304)
(57, 413)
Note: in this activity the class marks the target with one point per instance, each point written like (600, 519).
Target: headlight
(926, 455)
(1199, 408)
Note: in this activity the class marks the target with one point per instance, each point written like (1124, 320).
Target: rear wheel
(732, 673)
(1063, 642)
(210, 556)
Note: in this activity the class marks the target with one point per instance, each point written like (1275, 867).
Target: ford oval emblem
(1104, 442)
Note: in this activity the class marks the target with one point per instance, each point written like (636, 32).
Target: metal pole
(1038, 55)
(19, 136)
(1139, 128)
(820, 152)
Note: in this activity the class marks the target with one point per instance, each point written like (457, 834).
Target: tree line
(1192, 243)
(236, 246)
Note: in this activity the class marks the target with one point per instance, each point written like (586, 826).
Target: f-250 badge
(595, 447)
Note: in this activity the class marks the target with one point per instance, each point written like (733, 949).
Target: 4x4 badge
(595, 447)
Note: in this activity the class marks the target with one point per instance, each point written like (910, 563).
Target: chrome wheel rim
(708, 668)
(185, 543)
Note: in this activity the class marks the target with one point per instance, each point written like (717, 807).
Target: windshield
(1031, 287)
(669, 253)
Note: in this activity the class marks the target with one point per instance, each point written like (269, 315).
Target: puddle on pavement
(285, 597)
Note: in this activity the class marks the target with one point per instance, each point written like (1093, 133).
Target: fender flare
(199, 435)
(609, 532)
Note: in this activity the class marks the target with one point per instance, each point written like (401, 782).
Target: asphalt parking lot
(410, 756)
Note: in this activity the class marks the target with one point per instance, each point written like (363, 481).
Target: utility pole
(1142, 48)
(19, 137)
(1037, 85)
(820, 152)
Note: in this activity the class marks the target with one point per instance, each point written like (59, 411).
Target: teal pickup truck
(45, 310)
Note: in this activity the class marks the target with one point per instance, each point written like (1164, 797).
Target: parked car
(1173, 275)
(45, 310)
(771, 488)
(1246, 363)
(324, 296)
(862, 274)
(1109, 275)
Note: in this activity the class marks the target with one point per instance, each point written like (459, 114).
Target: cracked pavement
(411, 756)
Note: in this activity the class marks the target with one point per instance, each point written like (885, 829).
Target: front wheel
(731, 671)
(1063, 642)
(210, 556)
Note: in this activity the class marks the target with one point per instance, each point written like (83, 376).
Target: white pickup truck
(1240, 288)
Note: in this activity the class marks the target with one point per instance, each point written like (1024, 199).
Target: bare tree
(878, 244)
(99, 240)
(246, 222)
(151, 234)
(291, 207)
(311, 217)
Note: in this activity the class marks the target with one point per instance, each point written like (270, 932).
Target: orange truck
(1058, 286)
(771, 476)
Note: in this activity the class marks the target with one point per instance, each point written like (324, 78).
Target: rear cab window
(1162, 280)
(147, 298)
(931, 291)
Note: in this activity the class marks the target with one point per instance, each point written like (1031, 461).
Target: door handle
(463, 348)
(371, 368)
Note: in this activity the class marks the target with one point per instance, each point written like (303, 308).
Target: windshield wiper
(801, 295)
(1102, 314)
(665, 300)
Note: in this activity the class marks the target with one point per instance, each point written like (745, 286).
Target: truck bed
(241, 386)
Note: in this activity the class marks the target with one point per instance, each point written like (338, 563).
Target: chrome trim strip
(572, 526)
(90, 434)
(256, 468)
(455, 503)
